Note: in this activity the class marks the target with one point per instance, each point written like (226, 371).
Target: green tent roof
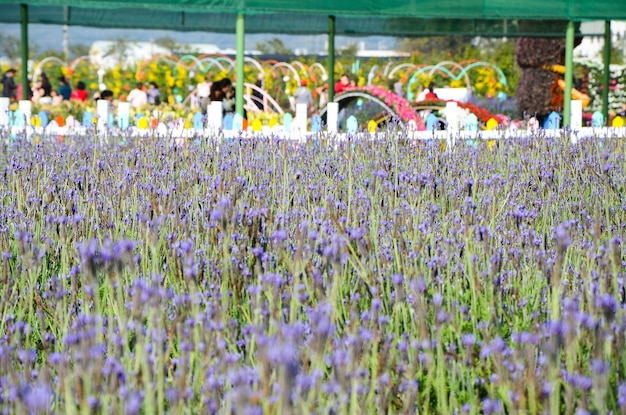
(365, 17)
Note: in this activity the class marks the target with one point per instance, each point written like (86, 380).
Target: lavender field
(263, 277)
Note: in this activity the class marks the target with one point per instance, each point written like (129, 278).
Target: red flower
(481, 113)
(401, 106)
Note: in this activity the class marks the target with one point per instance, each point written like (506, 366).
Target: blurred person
(203, 90)
(8, 84)
(430, 95)
(137, 97)
(342, 84)
(107, 95)
(65, 90)
(228, 95)
(257, 94)
(46, 86)
(42, 90)
(38, 93)
(56, 98)
(154, 96)
(303, 96)
(80, 93)
(215, 94)
(322, 92)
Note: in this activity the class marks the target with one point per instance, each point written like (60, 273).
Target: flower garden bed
(482, 114)
(360, 277)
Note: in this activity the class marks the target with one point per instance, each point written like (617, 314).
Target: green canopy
(392, 17)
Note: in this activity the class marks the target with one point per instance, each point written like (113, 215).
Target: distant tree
(437, 46)
(617, 54)
(167, 42)
(10, 46)
(349, 50)
(78, 50)
(262, 47)
(49, 52)
(498, 51)
(274, 46)
(171, 44)
(502, 54)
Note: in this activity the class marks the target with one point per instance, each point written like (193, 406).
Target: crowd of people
(142, 95)
(223, 90)
(212, 91)
(42, 91)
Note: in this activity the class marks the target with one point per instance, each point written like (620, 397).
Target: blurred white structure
(592, 46)
(107, 54)
(457, 94)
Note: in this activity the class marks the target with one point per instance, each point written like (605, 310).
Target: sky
(51, 37)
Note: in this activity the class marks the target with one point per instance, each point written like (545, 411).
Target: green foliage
(431, 50)
(173, 45)
(48, 53)
(503, 56)
(350, 50)
(437, 47)
(78, 49)
(10, 46)
(274, 46)
(167, 42)
(617, 54)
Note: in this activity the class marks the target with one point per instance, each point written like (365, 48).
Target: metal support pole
(241, 33)
(331, 58)
(66, 33)
(569, 73)
(606, 75)
(24, 47)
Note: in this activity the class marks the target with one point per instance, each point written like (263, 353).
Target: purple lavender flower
(621, 394)
(562, 236)
(397, 279)
(133, 403)
(492, 406)
(38, 398)
(468, 340)
(279, 236)
(607, 304)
